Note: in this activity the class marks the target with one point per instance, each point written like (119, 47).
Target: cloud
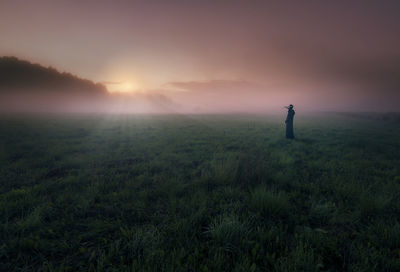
(112, 82)
(216, 86)
(379, 75)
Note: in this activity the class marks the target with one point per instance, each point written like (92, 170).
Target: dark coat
(289, 124)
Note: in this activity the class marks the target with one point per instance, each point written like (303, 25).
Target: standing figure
(289, 122)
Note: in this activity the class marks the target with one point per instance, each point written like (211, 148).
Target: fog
(240, 98)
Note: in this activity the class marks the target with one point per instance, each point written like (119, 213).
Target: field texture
(199, 193)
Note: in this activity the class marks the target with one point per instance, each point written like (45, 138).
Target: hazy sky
(219, 55)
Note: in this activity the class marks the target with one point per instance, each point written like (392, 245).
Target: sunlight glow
(122, 87)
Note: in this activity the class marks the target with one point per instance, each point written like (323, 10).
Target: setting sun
(121, 87)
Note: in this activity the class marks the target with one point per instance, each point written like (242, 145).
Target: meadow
(199, 193)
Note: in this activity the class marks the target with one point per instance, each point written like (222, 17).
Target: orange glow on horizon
(122, 87)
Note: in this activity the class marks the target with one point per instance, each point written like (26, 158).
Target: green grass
(269, 203)
(199, 193)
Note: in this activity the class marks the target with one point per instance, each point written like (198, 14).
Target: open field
(199, 193)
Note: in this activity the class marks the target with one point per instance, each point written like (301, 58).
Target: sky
(218, 56)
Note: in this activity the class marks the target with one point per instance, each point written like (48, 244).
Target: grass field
(199, 193)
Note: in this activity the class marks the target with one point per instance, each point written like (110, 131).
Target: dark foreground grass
(200, 193)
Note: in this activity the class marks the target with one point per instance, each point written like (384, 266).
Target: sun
(122, 87)
(126, 87)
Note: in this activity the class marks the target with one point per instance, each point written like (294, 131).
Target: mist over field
(28, 87)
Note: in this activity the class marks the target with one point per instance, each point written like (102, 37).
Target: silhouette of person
(289, 122)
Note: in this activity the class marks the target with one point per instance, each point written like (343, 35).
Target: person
(289, 122)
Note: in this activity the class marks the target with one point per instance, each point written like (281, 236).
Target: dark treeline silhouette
(22, 76)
